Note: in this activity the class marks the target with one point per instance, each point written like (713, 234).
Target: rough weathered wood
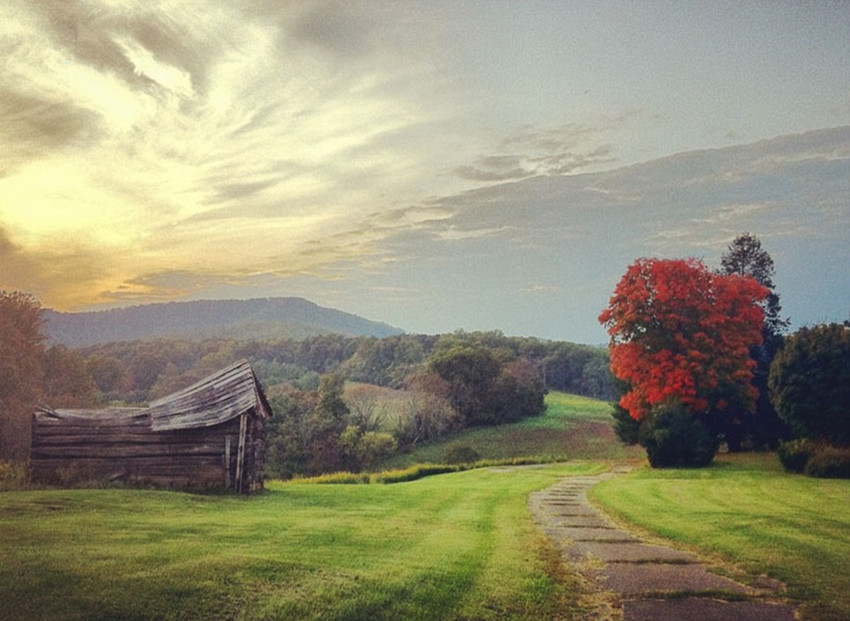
(181, 441)
(226, 465)
(126, 450)
(240, 453)
(215, 399)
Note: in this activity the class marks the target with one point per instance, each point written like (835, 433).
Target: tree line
(140, 371)
(434, 384)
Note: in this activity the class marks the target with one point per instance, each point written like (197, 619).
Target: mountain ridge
(280, 317)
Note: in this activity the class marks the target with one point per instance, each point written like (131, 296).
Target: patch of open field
(572, 427)
(746, 510)
(449, 547)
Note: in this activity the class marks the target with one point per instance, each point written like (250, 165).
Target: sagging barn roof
(210, 434)
(214, 400)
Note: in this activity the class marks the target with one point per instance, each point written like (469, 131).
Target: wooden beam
(240, 453)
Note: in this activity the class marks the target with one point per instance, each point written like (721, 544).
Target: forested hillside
(347, 403)
(295, 318)
(139, 371)
(339, 401)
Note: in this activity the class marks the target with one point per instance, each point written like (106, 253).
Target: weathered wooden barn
(209, 435)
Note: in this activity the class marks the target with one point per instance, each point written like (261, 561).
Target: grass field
(457, 546)
(572, 427)
(746, 510)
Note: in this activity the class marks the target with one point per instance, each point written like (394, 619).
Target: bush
(674, 437)
(829, 462)
(461, 454)
(795, 454)
(810, 383)
(626, 428)
(13, 476)
(374, 447)
(336, 478)
(413, 473)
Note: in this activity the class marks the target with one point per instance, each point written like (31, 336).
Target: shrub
(13, 476)
(374, 447)
(626, 428)
(810, 383)
(461, 454)
(674, 437)
(795, 454)
(413, 473)
(829, 462)
(336, 478)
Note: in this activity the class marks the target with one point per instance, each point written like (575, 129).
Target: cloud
(172, 78)
(176, 147)
(540, 288)
(581, 231)
(530, 151)
(167, 285)
(46, 272)
(339, 28)
(494, 168)
(7, 247)
(34, 126)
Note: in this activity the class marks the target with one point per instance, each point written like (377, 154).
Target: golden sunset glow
(500, 161)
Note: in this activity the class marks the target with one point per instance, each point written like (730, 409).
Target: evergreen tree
(762, 429)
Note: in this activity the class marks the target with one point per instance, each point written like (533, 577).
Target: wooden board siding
(215, 399)
(70, 446)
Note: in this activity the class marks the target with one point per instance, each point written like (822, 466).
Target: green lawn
(572, 427)
(563, 409)
(457, 546)
(746, 510)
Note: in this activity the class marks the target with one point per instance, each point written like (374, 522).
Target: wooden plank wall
(71, 450)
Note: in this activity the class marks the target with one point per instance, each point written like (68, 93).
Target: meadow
(572, 427)
(455, 546)
(752, 519)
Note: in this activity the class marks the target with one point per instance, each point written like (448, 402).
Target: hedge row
(815, 459)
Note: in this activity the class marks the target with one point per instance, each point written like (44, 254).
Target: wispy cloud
(185, 148)
(186, 128)
(530, 151)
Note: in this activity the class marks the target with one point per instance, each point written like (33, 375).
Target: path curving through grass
(746, 512)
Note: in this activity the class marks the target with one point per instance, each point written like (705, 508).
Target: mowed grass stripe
(745, 509)
(446, 547)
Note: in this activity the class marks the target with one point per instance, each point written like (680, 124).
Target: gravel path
(634, 580)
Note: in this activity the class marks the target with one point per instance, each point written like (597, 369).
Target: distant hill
(294, 318)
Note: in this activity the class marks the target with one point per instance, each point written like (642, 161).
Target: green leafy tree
(21, 353)
(286, 432)
(810, 383)
(470, 372)
(486, 386)
(67, 383)
(325, 425)
(109, 375)
(517, 393)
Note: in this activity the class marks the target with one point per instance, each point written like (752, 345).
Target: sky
(475, 165)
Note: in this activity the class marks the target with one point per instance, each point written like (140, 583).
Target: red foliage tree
(680, 332)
